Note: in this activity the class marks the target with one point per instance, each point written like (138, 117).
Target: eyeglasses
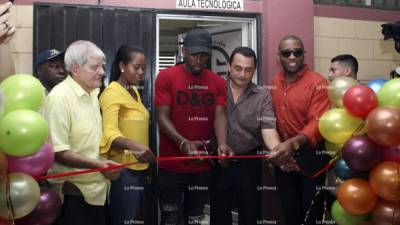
(286, 53)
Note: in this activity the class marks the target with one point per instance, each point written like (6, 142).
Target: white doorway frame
(249, 26)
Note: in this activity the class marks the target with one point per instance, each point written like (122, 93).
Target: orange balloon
(383, 125)
(384, 179)
(356, 196)
(3, 166)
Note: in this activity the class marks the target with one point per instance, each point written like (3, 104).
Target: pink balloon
(34, 165)
(390, 153)
(46, 212)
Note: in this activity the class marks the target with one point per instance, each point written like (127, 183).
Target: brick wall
(21, 43)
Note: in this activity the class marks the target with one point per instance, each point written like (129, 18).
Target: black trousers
(75, 211)
(297, 191)
(240, 181)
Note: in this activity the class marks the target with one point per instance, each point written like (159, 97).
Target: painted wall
(361, 38)
(282, 18)
(22, 42)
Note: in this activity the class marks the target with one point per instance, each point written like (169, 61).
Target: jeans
(182, 197)
(130, 198)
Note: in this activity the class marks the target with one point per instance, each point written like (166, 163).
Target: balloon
(3, 166)
(333, 149)
(34, 165)
(376, 84)
(336, 125)
(23, 91)
(24, 195)
(390, 153)
(389, 95)
(22, 132)
(386, 212)
(343, 171)
(359, 100)
(384, 179)
(338, 87)
(360, 153)
(344, 218)
(383, 125)
(356, 196)
(46, 212)
(2, 103)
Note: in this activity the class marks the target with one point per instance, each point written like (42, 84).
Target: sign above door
(231, 5)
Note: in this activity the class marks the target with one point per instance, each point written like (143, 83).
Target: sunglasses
(286, 53)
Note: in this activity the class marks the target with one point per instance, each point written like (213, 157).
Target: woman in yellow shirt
(125, 136)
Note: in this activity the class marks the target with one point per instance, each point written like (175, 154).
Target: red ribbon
(178, 158)
(159, 159)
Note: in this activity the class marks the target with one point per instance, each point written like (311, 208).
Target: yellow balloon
(333, 149)
(337, 125)
(338, 87)
(24, 195)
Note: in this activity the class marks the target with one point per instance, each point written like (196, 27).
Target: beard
(195, 71)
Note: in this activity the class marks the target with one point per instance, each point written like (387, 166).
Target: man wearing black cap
(190, 103)
(50, 68)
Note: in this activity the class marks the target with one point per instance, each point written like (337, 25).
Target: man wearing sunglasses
(300, 98)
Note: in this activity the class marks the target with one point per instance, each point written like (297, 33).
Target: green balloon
(344, 218)
(2, 103)
(22, 132)
(389, 95)
(22, 91)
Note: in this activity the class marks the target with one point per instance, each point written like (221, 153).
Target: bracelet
(296, 146)
(182, 143)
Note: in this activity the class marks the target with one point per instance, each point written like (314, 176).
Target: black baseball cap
(197, 40)
(47, 55)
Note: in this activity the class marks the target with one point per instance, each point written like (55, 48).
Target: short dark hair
(246, 52)
(347, 59)
(291, 37)
(124, 54)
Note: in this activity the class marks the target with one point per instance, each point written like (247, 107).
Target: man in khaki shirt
(73, 113)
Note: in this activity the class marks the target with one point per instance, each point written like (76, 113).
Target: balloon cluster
(362, 131)
(24, 154)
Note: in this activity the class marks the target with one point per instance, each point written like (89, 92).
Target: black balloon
(344, 172)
